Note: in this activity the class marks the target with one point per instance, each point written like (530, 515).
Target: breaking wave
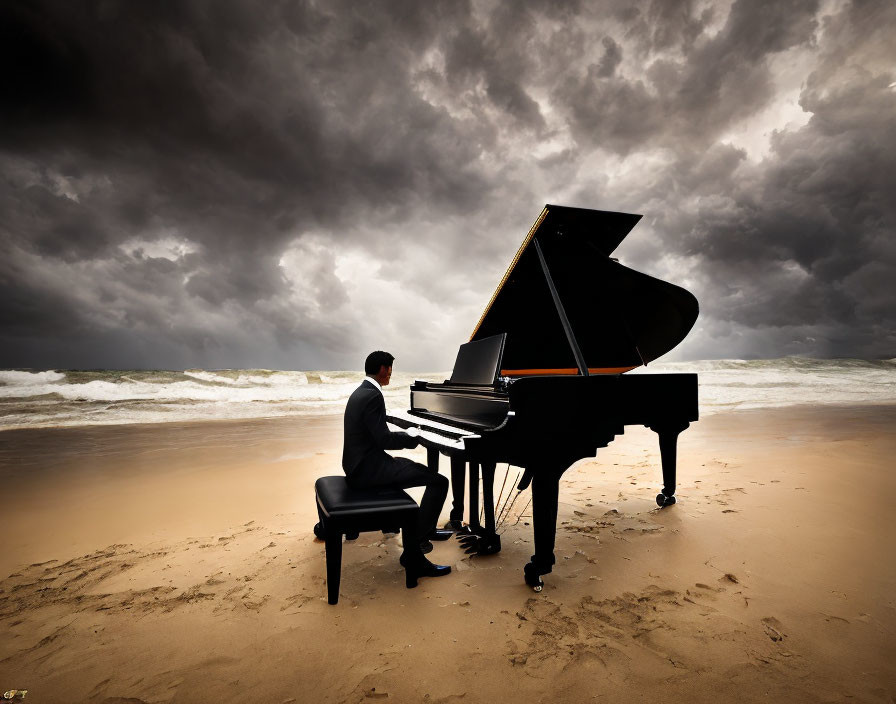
(105, 397)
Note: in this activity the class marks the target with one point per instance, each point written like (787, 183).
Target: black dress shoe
(421, 568)
(454, 525)
(425, 546)
(439, 534)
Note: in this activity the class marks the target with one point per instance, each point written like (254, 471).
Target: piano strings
(505, 503)
(497, 503)
(523, 512)
(504, 511)
(503, 484)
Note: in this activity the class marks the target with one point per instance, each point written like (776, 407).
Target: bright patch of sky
(170, 247)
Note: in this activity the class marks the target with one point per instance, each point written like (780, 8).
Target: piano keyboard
(431, 433)
(440, 442)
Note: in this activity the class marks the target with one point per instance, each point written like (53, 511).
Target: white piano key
(433, 439)
(419, 422)
(441, 440)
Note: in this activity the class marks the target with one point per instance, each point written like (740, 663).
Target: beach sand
(176, 563)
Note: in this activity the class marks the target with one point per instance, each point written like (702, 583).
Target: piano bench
(346, 511)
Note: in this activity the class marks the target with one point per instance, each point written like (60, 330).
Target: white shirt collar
(374, 382)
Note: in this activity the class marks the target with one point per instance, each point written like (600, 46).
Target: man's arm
(375, 421)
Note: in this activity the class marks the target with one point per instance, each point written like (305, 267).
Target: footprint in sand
(773, 628)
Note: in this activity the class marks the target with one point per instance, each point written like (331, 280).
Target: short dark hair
(375, 360)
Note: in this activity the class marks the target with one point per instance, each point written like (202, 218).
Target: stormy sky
(292, 184)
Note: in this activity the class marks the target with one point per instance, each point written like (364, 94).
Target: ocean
(32, 399)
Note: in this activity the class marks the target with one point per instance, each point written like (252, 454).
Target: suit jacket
(366, 436)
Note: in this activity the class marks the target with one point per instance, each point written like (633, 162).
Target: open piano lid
(618, 318)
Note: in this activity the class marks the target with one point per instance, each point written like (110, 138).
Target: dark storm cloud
(807, 238)
(611, 58)
(684, 101)
(286, 184)
(234, 126)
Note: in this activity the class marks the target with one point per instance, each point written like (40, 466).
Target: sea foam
(64, 398)
(12, 377)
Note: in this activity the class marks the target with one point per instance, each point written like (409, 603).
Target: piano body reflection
(542, 382)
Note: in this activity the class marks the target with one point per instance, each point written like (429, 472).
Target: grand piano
(542, 382)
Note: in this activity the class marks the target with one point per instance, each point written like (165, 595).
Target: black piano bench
(346, 511)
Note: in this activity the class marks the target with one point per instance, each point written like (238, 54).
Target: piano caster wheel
(533, 579)
(663, 500)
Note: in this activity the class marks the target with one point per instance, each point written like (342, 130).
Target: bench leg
(334, 564)
(411, 557)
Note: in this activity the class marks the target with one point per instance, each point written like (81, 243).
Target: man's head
(378, 365)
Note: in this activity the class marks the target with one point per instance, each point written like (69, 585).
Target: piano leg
(432, 459)
(545, 493)
(458, 482)
(489, 541)
(488, 495)
(474, 497)
(668, 454)
(481, 540)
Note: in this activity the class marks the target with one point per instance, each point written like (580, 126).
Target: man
(367, 465)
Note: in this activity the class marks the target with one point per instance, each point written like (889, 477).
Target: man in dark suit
(367, 465)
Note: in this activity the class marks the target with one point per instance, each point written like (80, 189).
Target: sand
(175, 563)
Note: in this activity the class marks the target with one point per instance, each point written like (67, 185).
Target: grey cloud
(808, 239)
(675, 24)
(689, 100)
(212, 121)
(611, 58)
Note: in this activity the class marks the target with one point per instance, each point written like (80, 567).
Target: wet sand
(175, 563)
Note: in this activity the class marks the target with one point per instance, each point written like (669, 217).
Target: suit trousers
(403, 473)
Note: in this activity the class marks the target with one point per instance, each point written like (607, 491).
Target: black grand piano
(542, 382)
